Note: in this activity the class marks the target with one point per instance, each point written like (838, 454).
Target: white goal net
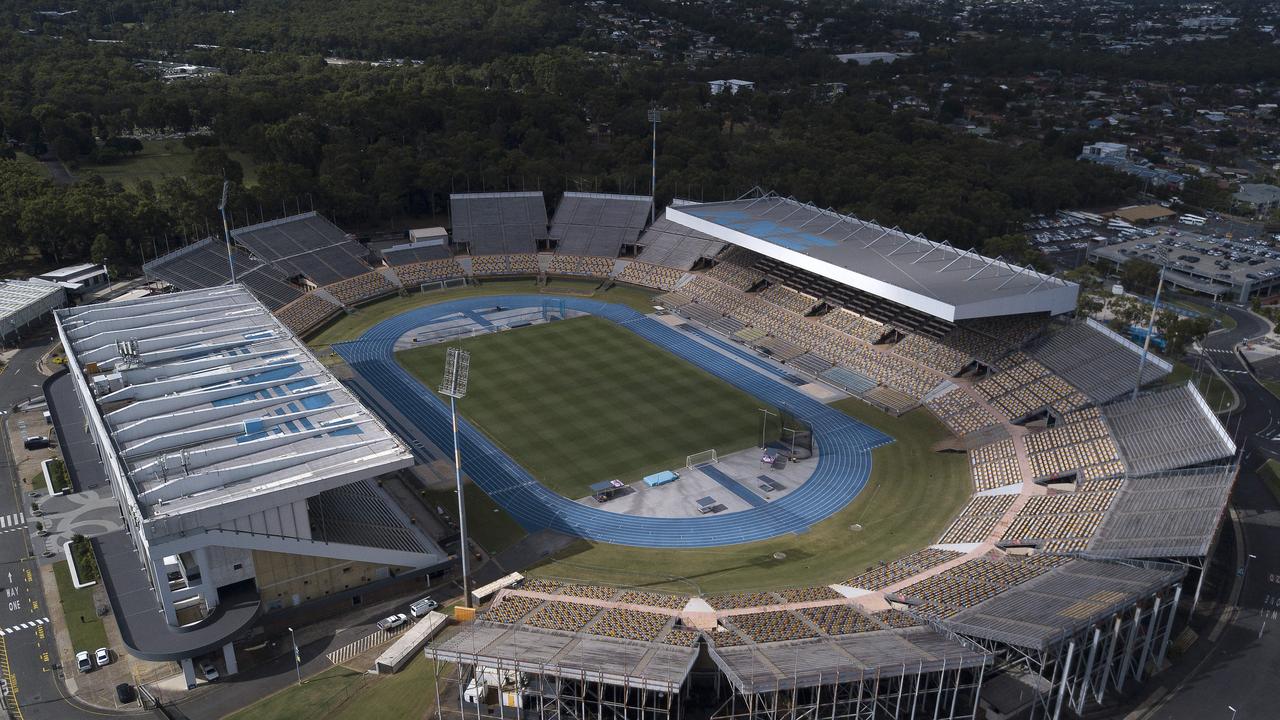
(706, 457)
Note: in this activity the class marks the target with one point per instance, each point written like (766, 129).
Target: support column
(229, 657)
(208, 593)
(1088, 670)
(189, 672)
(1151, 635)
(1128, 648)
(165, 597)
(1066, 678)
(1168, 626)
(1111, 659)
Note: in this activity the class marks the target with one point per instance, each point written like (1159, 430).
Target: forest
(371, 146)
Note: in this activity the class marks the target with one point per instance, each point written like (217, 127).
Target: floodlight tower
(222, 208)
(655, 117)
(457, 367)
(1151, 328)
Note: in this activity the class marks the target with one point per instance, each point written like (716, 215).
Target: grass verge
(158, 160)
(487, 523)
(1213, 388)
(340, 693)
(350, 327)
(911, 496)
(582, 400)
(83, 623)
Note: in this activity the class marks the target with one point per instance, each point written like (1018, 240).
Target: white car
(83, 661)
(392, 622)
(103, 656)
(208, 670)
(422, 607)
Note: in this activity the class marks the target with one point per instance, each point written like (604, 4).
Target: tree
(105, 249)
(1139, 275)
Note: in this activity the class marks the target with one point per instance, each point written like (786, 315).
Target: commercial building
(1257, 198)
(243, 470)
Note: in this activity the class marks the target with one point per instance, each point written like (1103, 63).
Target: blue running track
(844, 444)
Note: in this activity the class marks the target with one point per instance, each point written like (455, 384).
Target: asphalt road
(1241, 669)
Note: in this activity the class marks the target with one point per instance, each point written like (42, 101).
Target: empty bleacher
(421, 273)
(1097, 361)
(361, 288)
(580, 265)
(567, 616)
(306, 313)
(504, 265)
(305, 245)
(203, 264)
(995, 465)
(974, 582)
(1081, 442)
(839, 620)
(767, 627)
(1060, 516)
(420, 252)
(639, 272)
(629, 624)
(499, 223)
(1169, 429)
(511, 608)
(886, 574)
(977, 519)
(356, 514)
(672, 245)
(961, 412)
(595, 224)
(1023, 386)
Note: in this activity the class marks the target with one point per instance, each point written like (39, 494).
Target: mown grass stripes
(582, 400)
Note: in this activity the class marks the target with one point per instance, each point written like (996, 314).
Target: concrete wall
(287, 580)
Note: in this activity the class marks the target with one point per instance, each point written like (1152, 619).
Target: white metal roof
(931, 277)
(17, 295)
(210, 400)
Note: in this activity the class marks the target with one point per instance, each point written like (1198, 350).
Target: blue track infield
(844, 445)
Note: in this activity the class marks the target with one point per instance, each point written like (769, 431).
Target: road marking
(23, 626)
(347, 652)
(11, 520)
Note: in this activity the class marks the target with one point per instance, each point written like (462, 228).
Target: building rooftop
(212, 403)
(930, 277)
(1200, 258)
(16, 295)
(1258, 194)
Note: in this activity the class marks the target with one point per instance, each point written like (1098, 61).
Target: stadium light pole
(297, 656)
(457, 369)
(1151, 328)
(655, 117)
(226, 231)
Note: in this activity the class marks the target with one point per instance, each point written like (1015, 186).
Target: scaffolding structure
(921, 690)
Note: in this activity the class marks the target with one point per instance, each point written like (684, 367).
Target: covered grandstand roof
(211, 403)
(598, 223)
(931, 277)
(1171, 515)
(306, 245)
(499, 223)
(673, 245)
(1058, 603)
(203, 264)
(1097, 361)
(22, 300)
(1168, 429)
(824, 660)
(524, 648)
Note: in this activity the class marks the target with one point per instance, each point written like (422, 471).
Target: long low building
(242, 467)
(23, 302)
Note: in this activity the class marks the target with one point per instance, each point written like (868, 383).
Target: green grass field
(83, 623)
(912, 495)
(350, 327)
(341, 693)
(1214, 390)
(159, 159)
(583, 400)
(487, 523)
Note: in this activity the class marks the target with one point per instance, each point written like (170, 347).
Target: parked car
(36, 442)
(125, 694)
(83, 661)
(208, 670)
(103, 657)
(392, 622)
(422, 607)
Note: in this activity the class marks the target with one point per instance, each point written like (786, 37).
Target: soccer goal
(706, 457)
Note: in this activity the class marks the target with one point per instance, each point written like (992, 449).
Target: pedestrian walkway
(364, 644)
(12, 520)
(23, 626)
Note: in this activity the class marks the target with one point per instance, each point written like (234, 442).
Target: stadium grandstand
(244, 469)
(598, 224)
(1055, 586)
(306, 247)
(511, 223)
(203, 264)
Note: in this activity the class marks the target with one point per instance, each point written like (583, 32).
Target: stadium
(770, 340)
